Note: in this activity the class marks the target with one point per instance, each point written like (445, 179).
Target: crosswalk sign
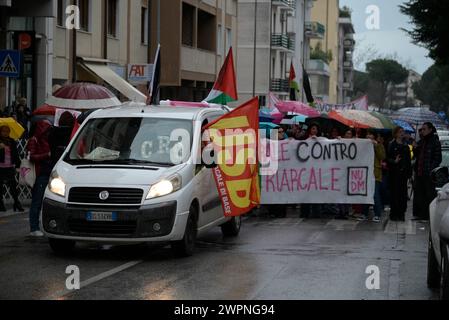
(10, 63)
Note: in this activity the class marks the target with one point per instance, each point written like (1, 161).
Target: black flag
(306, 85)
(153, 90)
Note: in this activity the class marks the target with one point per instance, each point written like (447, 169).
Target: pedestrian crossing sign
(9, 63)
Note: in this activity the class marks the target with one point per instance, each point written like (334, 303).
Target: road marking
(286, 222)
(60, 294)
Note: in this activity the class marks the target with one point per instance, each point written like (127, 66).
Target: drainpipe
(255, 47)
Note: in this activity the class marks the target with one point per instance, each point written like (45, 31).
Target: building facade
(114, 36)
(271, 36)
(402, 95)
(196, 37)
(345, 58)
(324, 61)
(26, 26)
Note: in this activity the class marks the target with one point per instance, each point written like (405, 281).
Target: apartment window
(84, 6)
(206, 31)
(144, 26)
(60, 13)
(188, 13)
(228, 39)
(112, 17)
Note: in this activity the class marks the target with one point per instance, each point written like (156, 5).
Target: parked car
(120, 181)
(438, 248)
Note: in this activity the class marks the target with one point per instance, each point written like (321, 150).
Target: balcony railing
(316, 66)
(286, 4)
(280, 85)
(349, 43)
(315, 30)
(283, 41)
(347, 65)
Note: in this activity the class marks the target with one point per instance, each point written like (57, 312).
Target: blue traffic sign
(10, 63)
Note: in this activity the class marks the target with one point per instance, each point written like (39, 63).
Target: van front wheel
(186, 246)
(232, 227)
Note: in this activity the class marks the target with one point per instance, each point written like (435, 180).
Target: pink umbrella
(297, 107)
(83, 96)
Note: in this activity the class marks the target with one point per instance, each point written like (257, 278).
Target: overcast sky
(388, 39)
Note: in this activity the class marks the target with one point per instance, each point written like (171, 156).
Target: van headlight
(56, 184)
(165, 187)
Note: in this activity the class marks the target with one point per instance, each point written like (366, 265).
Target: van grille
(116, 195)
(91, 228)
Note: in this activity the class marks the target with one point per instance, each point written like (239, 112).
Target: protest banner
(359, 104)
(321, 171)
(235, 140)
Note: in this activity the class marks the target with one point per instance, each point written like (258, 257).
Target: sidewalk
(10, 212)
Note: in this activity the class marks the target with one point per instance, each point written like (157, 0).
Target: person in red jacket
(40, 155)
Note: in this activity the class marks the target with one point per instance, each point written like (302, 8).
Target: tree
(318, 53)
(387, 72)
(433, 89)
(431, 30)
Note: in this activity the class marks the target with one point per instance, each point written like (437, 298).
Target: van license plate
(101, 216)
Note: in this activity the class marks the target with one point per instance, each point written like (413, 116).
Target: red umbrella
(83, 96)
(45, 110)
(297, 107)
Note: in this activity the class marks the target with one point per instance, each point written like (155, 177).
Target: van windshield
(128, 141)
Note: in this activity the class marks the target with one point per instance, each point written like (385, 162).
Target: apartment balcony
(285, 4)
(318, 67)
(314, 30)
(348, 65)
(349, 44)
(197, 60)
(280, 85)
(348, 86)
(282, 42)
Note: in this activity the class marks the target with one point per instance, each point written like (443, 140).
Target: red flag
(235, 138)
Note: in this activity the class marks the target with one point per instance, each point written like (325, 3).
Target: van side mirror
(440, 176)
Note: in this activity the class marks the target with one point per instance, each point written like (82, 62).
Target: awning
(101, 69)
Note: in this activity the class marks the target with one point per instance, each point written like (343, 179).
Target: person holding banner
(398, 158)
(313, 132)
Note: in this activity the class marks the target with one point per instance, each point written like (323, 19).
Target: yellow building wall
(327, 13)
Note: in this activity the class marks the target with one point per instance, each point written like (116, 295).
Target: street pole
(158, 22)
(74, 44)
(255, 47)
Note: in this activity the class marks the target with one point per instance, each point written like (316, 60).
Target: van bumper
(148, 223)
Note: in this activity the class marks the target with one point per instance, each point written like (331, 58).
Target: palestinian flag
(293, 83)
(225, 88)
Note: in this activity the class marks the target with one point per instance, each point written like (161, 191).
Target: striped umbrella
(386, 122)
(417, 116)
(356, 119)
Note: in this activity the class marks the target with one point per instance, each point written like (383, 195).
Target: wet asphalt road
(272, 259)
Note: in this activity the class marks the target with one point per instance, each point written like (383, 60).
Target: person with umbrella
(9, 163)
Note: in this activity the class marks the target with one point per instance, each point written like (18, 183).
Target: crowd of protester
(398, 158)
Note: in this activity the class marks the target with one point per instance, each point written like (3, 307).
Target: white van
(134, 174)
